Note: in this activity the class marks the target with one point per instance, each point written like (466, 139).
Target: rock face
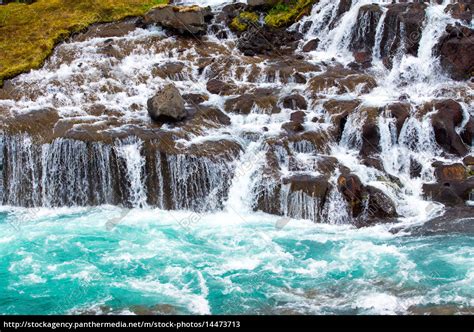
(184, 19)
(456, 51)
(363, 38)
(403, 26)
(167, 105)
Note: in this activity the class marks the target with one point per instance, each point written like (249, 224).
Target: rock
(363, 37)
(401, 112)
(408, 18)
(167, 105)
(184, 19)
(289, 69)
(219, 87)
(37, 123)
(447, 173)
(262, 99)
(468, 161)
(456, 52)
(449, 115)
(461, 11)
(298, 117)
(292, 127)
(314, 186)
(171, 70)
(467, 135)
(311, 45)
(268, 41)
(295, 102)
(452, 193)
(195, 98)
(351, 188)
(370, 132)
(340, 80)
(380, 207)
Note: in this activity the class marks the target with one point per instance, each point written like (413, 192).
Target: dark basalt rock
(401, 112)
(450, 193)
(456, 52)
(352, 189)
(452, 172)
(461, 11)
(167, 105)
(379, 207)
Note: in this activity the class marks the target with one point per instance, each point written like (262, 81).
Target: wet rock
(171, 70)
(468, 161)
(379, 207)
(262, 99)
(108, 30)
(292, 127)
(295, 102)
(343, 7)
(311, 45)
(167, 105)
(195, 98)
(467, 134)
(314, 186)
(406, 18)
(184, 19)
(37, 123)
(456, 52)
(401, 112)
(363, 37)
(298, 116)
(340, 80)
(352, 189)
(370, 132)
(453, 172)
(289, 69)
(461, 11)
(219, 87)
(266, 40)
(450, 193)
(449, 115)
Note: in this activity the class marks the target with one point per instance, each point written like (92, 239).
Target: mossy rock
(241, 22)
(286, 13)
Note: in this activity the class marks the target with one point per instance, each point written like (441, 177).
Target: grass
(28, 33)
(285, 14)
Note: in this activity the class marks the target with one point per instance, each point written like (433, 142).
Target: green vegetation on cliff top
(288, 12)
(28, 33)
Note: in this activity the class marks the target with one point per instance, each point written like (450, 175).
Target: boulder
(295, 102)
(311, 45)
(451, 193)
(456, 52)
(379, 207)
(184, 19)
(449, 115)
(167, 105)
(292, 127)
(172, 70)
(219, 87)
(351, 188)
(401, 112)
(447, 173)
(314, 186)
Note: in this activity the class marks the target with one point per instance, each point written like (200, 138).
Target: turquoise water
(108, 260)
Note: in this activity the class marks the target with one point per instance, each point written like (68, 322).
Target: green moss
(285, 14)
(242, 21)
(28, 33)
